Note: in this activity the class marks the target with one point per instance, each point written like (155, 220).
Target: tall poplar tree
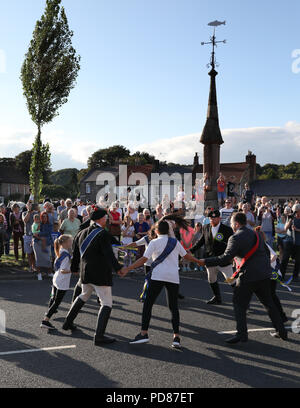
(48, 74)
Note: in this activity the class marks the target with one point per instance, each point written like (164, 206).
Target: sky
(144, 82)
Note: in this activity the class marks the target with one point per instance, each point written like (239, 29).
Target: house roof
(11, 175)
(94, 173)
(229, 169)
(283, 188)
(174, 169)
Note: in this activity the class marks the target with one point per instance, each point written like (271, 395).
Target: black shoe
(277, 335)
(99, 341)
(47, 325)
(237, 339)
(140, 339)
(176, 343)
(75, 309)
(214, 301)
(181, 297)
(69, 326)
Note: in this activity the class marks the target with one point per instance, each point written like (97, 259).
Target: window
(88, 188)
(8, 190)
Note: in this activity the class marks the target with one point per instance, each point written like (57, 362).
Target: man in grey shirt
(64, 214)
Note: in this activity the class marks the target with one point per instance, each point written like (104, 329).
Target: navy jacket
(98, 262)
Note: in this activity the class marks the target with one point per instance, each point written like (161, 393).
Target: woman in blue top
(141, 227)
(43, 255)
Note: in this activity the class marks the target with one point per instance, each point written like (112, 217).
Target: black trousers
(56, 299)
(154, 290)
(241, 298)
(297, 261)
(275, 298)
(289, 249)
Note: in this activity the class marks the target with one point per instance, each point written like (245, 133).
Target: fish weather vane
(213, 41)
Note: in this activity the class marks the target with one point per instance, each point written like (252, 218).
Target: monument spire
(211, 133)
(211, 136)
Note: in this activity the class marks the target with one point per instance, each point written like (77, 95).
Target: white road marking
(35, 350)
(254, 330)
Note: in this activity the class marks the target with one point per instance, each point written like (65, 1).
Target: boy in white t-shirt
(164, 274)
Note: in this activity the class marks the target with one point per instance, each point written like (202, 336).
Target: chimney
(251, 161)
(156, 165)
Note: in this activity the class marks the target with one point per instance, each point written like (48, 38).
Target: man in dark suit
(214, 238)
(253, 276)
(74, 261)
(95, 259)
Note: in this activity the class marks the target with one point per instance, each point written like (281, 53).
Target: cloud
(65, 152)
(280, 145)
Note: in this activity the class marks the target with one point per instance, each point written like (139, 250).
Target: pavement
(32, 357)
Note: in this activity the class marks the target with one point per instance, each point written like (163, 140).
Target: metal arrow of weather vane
(213, 41)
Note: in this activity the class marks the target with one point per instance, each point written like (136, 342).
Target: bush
(54, 191)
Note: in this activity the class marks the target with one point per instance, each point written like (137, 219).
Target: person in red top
(115, 221)
(221, 182)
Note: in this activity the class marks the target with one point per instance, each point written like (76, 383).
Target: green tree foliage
(82, 173)
(68, 179)
(64, 177)
(48, 74)
(275, 171)
(39, 161)
(108, 157)
(23, 161)
(54, 192)
(141, 158)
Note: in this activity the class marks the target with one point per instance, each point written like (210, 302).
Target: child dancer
(61, 278)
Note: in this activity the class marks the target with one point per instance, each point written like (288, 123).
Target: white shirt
(273, 257)
(133, 215)
(80, 209)
(214, 230)
(127, 240)
(226, 214)
(166, 271)
(143, 242)
(62, 280)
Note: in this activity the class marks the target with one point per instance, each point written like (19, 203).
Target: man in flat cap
(214, 237)
(96, 261)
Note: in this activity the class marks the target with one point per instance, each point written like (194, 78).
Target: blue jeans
(270, 238)
(7, 243)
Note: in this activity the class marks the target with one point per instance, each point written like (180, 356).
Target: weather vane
(213, 41)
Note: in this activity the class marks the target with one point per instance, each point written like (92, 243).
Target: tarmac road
(205, 361)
